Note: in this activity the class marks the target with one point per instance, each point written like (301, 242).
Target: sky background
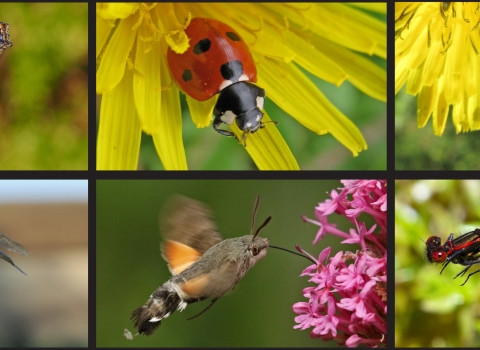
(43, 191)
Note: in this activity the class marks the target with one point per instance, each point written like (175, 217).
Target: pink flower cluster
(349, 301)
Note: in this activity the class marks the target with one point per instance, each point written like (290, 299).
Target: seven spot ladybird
(218, 61)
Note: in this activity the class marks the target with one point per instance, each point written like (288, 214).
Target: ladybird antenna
(271, 121)
(245, 134)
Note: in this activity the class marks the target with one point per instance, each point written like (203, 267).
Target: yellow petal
(118, 141)
(112, 65)
(300, 98)
(108, 10)
(267, 148)
(168, 137)
(201, 112)
(146, 83)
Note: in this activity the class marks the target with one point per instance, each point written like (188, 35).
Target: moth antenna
(287, 250)
(262, 226)
(255, 207)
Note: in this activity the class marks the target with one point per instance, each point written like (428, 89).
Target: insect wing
(465, 240)
(11, 245)
(469, 253)
(188, 231)
(7, 259)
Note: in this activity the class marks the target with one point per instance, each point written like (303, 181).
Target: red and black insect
(463, 250)
(218, 61)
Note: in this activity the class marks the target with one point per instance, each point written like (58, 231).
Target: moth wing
(9, 260)
(11, 245)
(188, 230)
(213, 284)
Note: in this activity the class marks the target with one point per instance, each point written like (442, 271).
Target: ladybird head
(241, 102)
(250, 121)
(250, 130)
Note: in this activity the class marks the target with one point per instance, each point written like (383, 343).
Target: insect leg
(468, 265)
(445, 265)
(473, 273)
(208, 307)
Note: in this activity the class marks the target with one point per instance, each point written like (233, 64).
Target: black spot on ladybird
(202, 46)
(232, 70)
(233, 36)
(187, 75)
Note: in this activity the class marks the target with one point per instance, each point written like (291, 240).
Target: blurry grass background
(433, 309)
(420, 149)
(43, 87)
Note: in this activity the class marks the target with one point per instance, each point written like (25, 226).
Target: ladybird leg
(216, 124)
(244, 138)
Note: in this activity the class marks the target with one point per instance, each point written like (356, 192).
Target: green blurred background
(420, 149)
(258, 312)
(433, 310)
(44, 86)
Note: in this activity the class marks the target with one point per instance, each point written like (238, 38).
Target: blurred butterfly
(12, 246)
(4, 37)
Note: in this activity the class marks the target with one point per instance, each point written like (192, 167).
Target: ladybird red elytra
(219, 61)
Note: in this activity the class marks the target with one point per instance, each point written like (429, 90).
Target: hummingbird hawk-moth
(202, 264)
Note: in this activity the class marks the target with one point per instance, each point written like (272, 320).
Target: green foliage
(420, 149)
(433, 310)
(44, 86)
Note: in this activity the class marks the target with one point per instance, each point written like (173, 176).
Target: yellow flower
(139, 95)
(437, 53)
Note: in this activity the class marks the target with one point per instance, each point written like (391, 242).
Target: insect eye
(255, 250)
(439, 256)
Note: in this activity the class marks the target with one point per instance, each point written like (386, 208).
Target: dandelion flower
(139, 94)
(437, 53)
